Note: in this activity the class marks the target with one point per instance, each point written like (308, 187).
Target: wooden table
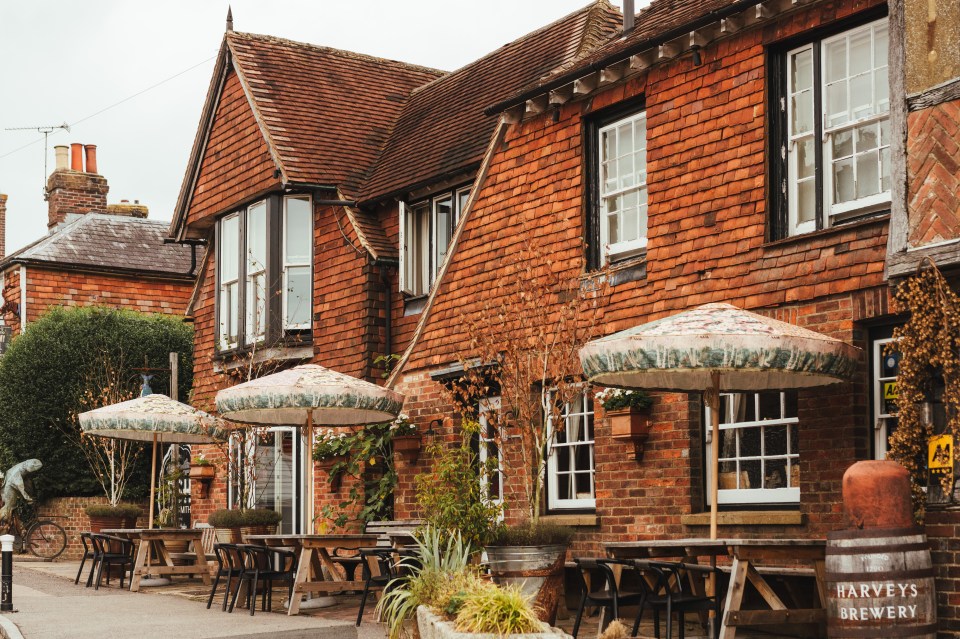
(314, 554)
(156, 538)
(747, 556)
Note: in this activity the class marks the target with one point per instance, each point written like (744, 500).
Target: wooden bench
(206, 541)
(349, 558)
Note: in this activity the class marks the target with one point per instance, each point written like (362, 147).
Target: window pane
(842, 144)
(836, 104)
(298, 296)
(462, 198)
(843, 181)
(299, 230)
(775, 440)
(802, 110)
(233, 306)
(444, 229)
(229, 248)
(801, 72)
(860, 52)
(806, 201)
(861, 96)
(806, 158)
(868, 174)
(775, 473)
(625, 139)
(769, 405)
(257, 237)
(836, 60)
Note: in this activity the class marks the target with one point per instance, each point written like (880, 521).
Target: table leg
(143, 550)
(820, 568)
(303, 573)
(162, 553)
(738, 582)
(201, 560)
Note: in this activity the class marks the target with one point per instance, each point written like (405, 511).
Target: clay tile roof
(653, 22)
(111, 243)
(443, 131)
(326, 112)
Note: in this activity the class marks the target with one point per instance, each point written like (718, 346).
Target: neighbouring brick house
(281, 157)
(751, 153)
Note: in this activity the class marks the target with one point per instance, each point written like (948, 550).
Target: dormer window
(265, 274)
(426, 228)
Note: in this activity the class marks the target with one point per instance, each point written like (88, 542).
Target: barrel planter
(880, 583)
(538, 570)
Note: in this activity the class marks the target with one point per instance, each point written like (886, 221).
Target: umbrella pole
(308, 460)
(153, 479)
(713, 403)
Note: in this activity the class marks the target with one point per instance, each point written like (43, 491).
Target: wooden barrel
(880, 584)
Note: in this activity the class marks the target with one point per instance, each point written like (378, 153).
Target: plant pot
(203, 472)
(229, 535)
(408, 447)
(431, 626)
(257, 530)
(177, 546)
(538, 570)
(629, 423)
(104, 522)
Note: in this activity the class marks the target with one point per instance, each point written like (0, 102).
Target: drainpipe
(388, 315)
(23, 298)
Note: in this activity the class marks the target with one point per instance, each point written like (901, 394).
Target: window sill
(881, 218)
(633, 269)
(414, 305)
(571, 520)
(232, 361)
(747, 518)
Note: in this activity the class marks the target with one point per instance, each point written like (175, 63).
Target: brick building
(769, 155)
(95, 253)
(278, 163)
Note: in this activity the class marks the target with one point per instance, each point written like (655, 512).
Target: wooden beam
(705, 35)
(643, 59)
(614, 72)
(535, 106)
(586, 84)
(764, 12)
(736, 618)
(730, 25)
(667, 51)
(514, 115)
(561, 95)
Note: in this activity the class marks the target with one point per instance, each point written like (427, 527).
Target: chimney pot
(91, 150)
(62, 153)
(76, 157)
(629, 16)
(124, 201)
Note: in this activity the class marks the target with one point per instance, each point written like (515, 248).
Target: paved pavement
(50, 606)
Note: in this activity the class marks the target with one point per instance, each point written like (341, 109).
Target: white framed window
(255, 310)
(622, 184)
(264, 272)
(886, 368)
(426, 229)
(297, 262)
(570, 465)
(228, 273)
(837, 128)
(759, 448)
(488, 449)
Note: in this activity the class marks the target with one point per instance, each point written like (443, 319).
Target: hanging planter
(408, 447)
(629, 423)
(201, 476)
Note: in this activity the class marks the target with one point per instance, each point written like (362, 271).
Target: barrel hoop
(837, 577)
(860, 533)
(869, 550)
(890, 631)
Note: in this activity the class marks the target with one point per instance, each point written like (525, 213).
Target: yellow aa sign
(890, 390)
(940, 452)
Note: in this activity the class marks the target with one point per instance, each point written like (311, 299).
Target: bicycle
(43, 538)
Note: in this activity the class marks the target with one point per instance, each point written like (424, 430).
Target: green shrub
(500, 610)
(619, 398)
(529, 534)
(120, 510)
(260, 517)
(42, 384)
(225, 518)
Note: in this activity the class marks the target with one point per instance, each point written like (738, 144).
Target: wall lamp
(697, 59)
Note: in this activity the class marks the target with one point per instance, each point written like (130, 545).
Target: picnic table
(157, 538)
(752, 560)
(314, 554)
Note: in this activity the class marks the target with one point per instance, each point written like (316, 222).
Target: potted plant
(106, 516)
(626, 412)
(202, 473)
(233, 524)
(330, 449)
(259, 521)
(406, 439)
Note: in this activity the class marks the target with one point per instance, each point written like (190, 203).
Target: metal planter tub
(432, 626)
(537, 569)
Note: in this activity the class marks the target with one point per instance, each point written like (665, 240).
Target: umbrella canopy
(152, 415)
(751, 352)
(287, 397)
(714, 348)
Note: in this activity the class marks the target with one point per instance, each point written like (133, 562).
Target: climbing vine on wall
(929, 347)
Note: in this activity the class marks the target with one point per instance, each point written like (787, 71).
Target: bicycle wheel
(46, 539)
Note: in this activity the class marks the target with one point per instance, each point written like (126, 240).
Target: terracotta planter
(203, 472)
(629, 423)
(257, 530)
(408, 447)
(98, 524)
(229, 535)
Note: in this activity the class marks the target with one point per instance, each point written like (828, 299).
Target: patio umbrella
(715, 348)
(153, 418)
(308, 395)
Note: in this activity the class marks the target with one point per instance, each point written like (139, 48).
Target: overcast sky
(92, 64)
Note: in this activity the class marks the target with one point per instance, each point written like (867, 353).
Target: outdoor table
(747, 556)
(314, 554)
(157, 538)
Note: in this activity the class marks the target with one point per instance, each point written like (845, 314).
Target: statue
(13, 483)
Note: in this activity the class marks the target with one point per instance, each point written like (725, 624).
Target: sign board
(940, 469)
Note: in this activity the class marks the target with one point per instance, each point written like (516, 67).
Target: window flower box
(629, 423)
(407, 447)
(201, 475)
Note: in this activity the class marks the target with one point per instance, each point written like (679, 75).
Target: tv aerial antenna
(46, 130)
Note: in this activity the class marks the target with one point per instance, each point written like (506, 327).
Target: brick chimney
(72, 191)
(3, 225)
(128, 210)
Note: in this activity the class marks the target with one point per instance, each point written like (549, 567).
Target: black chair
(385, 559)
(229, 565)
(264, 566)
(671, 593)
(110, 552)
(602, 589)
(88, 553)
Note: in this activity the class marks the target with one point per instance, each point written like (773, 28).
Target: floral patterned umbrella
(309, 395)
(149, 418)
(714, 348)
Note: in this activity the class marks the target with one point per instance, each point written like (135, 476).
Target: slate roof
(108, 243)
(326, 112)
(443, 131)
(657, 21)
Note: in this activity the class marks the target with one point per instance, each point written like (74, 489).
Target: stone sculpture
(13, 484)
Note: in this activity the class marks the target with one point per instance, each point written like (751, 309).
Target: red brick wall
(933, 173)
(236, 164)
(707, 242)
(74, 192)
(69, 513)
